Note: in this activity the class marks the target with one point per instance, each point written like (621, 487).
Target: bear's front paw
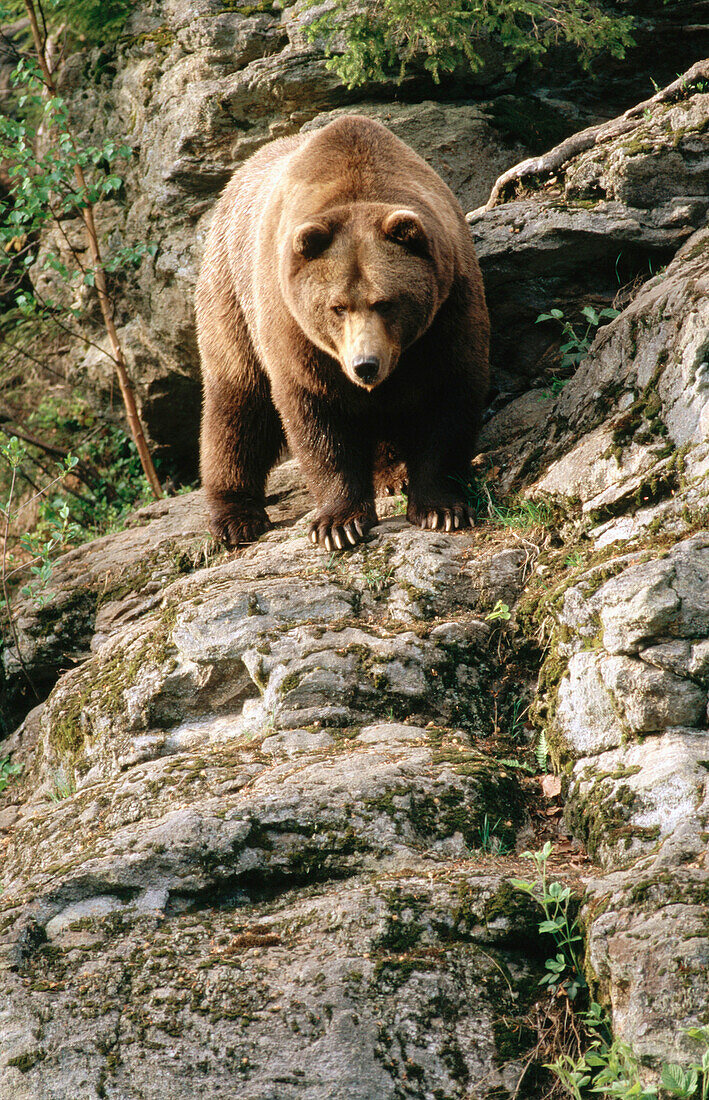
(338, 531)
(236, 524)
(440, 517)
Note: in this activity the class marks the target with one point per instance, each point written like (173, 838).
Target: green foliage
(693, 1081)
(541, 752)
(520, 514)
(576, 340)
(574, 559)
(377, 578)
(54, 533)
(386, 38)
(7, 771)
(44, 191)
(517, 513)
(119, 485)
(63, 788)
(67, 517)
(517, 711)
(98, 21)
(564, 971)
(38, 547)
(608, 1067)
(499, 611)
(490, 842)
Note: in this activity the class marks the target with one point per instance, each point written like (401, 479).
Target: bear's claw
(445, 517)
(334, 534)
(237, 528)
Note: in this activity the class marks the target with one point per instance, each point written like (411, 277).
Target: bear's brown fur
(340, 307)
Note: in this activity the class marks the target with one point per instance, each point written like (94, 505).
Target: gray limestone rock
(631, 723)
(226, 997)
(247, 852)
(110, 583)
(649, 948)
(652, 699)
(250, 813)
(640, 395)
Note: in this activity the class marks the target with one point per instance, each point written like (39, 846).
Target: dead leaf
(551, 785)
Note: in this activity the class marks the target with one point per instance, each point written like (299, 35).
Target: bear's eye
(382, 307)
(339, 310)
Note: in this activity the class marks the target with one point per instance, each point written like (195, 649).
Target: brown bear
(340, 308)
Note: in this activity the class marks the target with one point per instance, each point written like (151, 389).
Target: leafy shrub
(7, 771)
(96, 21)
(384, 39)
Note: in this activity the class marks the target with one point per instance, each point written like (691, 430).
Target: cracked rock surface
(278, 784)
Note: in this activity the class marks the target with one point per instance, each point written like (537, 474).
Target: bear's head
(363, 283)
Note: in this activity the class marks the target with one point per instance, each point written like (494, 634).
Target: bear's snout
(366, 351)
(366, 368)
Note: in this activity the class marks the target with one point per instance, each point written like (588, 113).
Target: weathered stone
(663, 598)
(627, 801)
(253, 817)
(651, 699)
(665, 157)
(586, 719)
(200, 793)
(408, 988)
(683, 658)
(638, 401)
(649, 949)
(110, 583)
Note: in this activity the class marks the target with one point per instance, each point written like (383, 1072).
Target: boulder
(264, 784)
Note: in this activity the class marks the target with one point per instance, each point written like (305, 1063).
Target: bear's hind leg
(390, 473)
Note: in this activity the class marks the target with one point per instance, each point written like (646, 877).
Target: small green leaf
(499, 611)
(676, 1080)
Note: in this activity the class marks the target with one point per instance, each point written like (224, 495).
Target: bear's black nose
(366, 369)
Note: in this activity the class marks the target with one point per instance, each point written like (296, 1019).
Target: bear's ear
(404, 227)
(311, 239)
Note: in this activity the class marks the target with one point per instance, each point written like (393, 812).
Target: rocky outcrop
(626, 438)
(583, 225)
(232, 751)
(109, 583)
(415, 985)
(630, 722)
(271, 801)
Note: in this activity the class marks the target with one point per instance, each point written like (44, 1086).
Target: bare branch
(85, 471)
(28, 355)
(5, 591)
(556, 158)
